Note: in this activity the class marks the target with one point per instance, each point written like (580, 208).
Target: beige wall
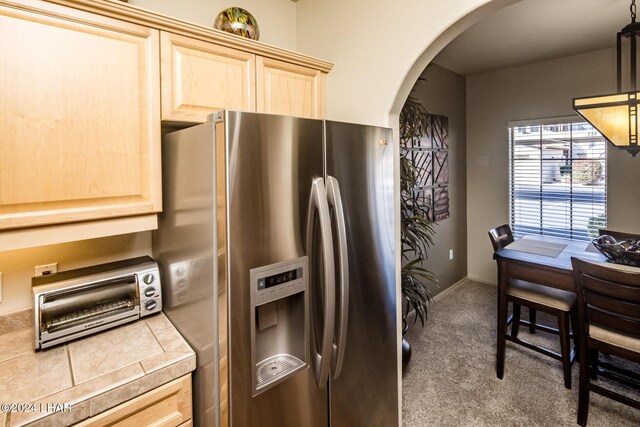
(533, 91)
(17, 266)
(379, 48)
(276, 18)
(443, 93)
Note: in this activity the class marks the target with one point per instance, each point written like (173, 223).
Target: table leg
(502, 317)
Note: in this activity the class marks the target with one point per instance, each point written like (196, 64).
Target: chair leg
(583, 393)
(565, 347)
(593, 363)
(532, 320)
(515, 323)
(501, 338)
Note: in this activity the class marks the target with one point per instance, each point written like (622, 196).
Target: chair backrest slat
(618, 290)
(612, 305)
(500, 237)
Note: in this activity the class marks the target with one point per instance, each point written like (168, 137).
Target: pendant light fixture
(615, 116)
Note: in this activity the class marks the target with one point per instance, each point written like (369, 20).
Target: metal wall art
(429, 153)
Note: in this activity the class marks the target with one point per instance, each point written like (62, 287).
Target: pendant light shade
(615, 116)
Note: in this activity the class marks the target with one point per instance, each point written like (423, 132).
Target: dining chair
(608, 301)
(501, 237)
(534, 296)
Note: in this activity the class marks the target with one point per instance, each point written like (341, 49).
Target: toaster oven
(75, 303)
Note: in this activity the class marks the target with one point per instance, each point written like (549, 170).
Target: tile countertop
(68, 383)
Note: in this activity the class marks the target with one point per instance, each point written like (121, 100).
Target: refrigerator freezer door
(271, 164)
(365, 393)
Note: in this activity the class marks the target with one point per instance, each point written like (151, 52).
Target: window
(557, 178)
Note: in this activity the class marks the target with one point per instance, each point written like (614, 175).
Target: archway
(436, 46)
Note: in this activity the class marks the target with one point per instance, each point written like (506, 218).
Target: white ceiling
(535, 30)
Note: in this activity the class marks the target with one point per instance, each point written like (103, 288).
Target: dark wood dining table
(553, 271)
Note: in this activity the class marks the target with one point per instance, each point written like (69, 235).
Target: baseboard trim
(483, 282)
(449, 289)
(456, 285)
(437, 297)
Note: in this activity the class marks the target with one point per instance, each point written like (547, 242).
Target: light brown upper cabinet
(79, 116)
(284, 88)
(199, 78)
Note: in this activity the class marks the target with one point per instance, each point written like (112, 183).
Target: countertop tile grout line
(17, 356)
(73, 380)
(155, 337)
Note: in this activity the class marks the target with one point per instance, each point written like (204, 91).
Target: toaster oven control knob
(150, 305)
(147, 278)
(149, 291)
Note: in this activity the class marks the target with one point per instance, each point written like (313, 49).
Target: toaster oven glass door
(69, 310)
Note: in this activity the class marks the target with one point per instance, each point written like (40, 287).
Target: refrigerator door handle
(335, 202)
(318, 203)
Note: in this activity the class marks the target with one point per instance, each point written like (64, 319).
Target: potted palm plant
(417, 230)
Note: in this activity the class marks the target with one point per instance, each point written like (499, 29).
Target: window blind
(557, 179)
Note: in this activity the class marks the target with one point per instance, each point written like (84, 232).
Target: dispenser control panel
(279, 280)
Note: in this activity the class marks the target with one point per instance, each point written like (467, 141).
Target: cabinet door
(79, 116)
(289, 89)
(199, 78)
(166, 406)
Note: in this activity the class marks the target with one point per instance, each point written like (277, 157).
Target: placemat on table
(537, 247)
(591, 248)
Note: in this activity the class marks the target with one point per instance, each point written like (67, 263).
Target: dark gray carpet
(451, 380)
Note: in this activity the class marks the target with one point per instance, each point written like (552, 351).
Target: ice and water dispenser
(279, 322)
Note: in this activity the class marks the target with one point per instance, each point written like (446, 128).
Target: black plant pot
(406, 346)
(406, 353)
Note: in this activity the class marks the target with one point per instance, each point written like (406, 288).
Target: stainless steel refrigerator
(277, 251)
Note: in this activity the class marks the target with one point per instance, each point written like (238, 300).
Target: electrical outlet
(450, 254)
(45, 269)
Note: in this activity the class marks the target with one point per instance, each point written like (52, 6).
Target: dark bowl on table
(621, 252)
